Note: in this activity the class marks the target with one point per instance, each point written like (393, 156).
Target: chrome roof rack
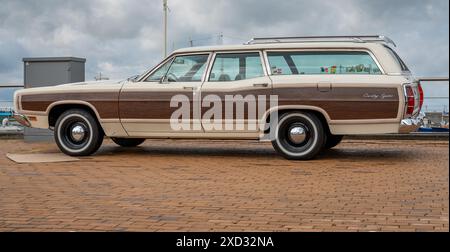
(360, 39)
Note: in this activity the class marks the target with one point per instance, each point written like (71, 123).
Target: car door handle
(188, 88)
(324, 86)
(261, 84)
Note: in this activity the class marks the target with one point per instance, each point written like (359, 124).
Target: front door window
(189, 68)
(158, 74)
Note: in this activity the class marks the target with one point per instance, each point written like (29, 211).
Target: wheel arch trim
(295, 107)
(73, 102)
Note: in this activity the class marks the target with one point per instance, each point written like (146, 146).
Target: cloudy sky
(121, 38)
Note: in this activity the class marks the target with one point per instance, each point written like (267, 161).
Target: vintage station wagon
(309, 92)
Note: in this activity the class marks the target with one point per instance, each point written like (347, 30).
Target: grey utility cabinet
(50, 71)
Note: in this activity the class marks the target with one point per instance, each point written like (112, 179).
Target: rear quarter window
(322, 62)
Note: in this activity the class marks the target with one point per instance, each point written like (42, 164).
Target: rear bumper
(22, 119)
(408, 127)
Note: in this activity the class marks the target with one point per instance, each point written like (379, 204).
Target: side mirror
(133, 78)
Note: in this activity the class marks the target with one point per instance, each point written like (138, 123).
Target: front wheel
(128, 142)
(299, 135)
(77, 133)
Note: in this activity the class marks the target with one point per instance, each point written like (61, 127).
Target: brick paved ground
(200, 186)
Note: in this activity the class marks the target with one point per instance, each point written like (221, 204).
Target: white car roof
(302, 45)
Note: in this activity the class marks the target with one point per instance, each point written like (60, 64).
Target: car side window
(340, 62)
(236, 66)
(159, 73)
(189, 68)
(280, 65)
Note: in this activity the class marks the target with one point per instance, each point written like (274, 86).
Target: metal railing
(433, 119)
(442, 95)
(6, 99)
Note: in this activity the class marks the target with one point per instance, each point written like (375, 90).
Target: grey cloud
(122, 38)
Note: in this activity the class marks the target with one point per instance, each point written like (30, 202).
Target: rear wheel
(332, 141)
(128, 142)
(299, 135)
(77, 133)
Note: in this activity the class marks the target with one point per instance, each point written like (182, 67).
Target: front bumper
(22, 119)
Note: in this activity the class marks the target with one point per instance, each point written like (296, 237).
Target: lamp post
(165, 8)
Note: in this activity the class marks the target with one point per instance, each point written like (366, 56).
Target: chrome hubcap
(297, 134)
(78, 133)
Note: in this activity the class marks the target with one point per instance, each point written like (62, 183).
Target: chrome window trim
(210, 65)
(266, 63)
(383, 72)
(205, 73)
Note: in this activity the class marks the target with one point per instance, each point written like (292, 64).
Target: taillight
(420, 96)
(410, 101)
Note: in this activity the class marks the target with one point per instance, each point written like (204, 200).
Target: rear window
(322, 62)
(398, 59)
(236, 66)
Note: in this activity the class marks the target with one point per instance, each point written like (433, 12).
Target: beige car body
(33, 104)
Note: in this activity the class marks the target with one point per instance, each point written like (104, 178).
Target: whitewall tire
(299, 136)
(77, 133)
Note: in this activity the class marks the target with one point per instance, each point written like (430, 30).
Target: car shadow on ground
(343, 153)
(188, 151)
(364, 154)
